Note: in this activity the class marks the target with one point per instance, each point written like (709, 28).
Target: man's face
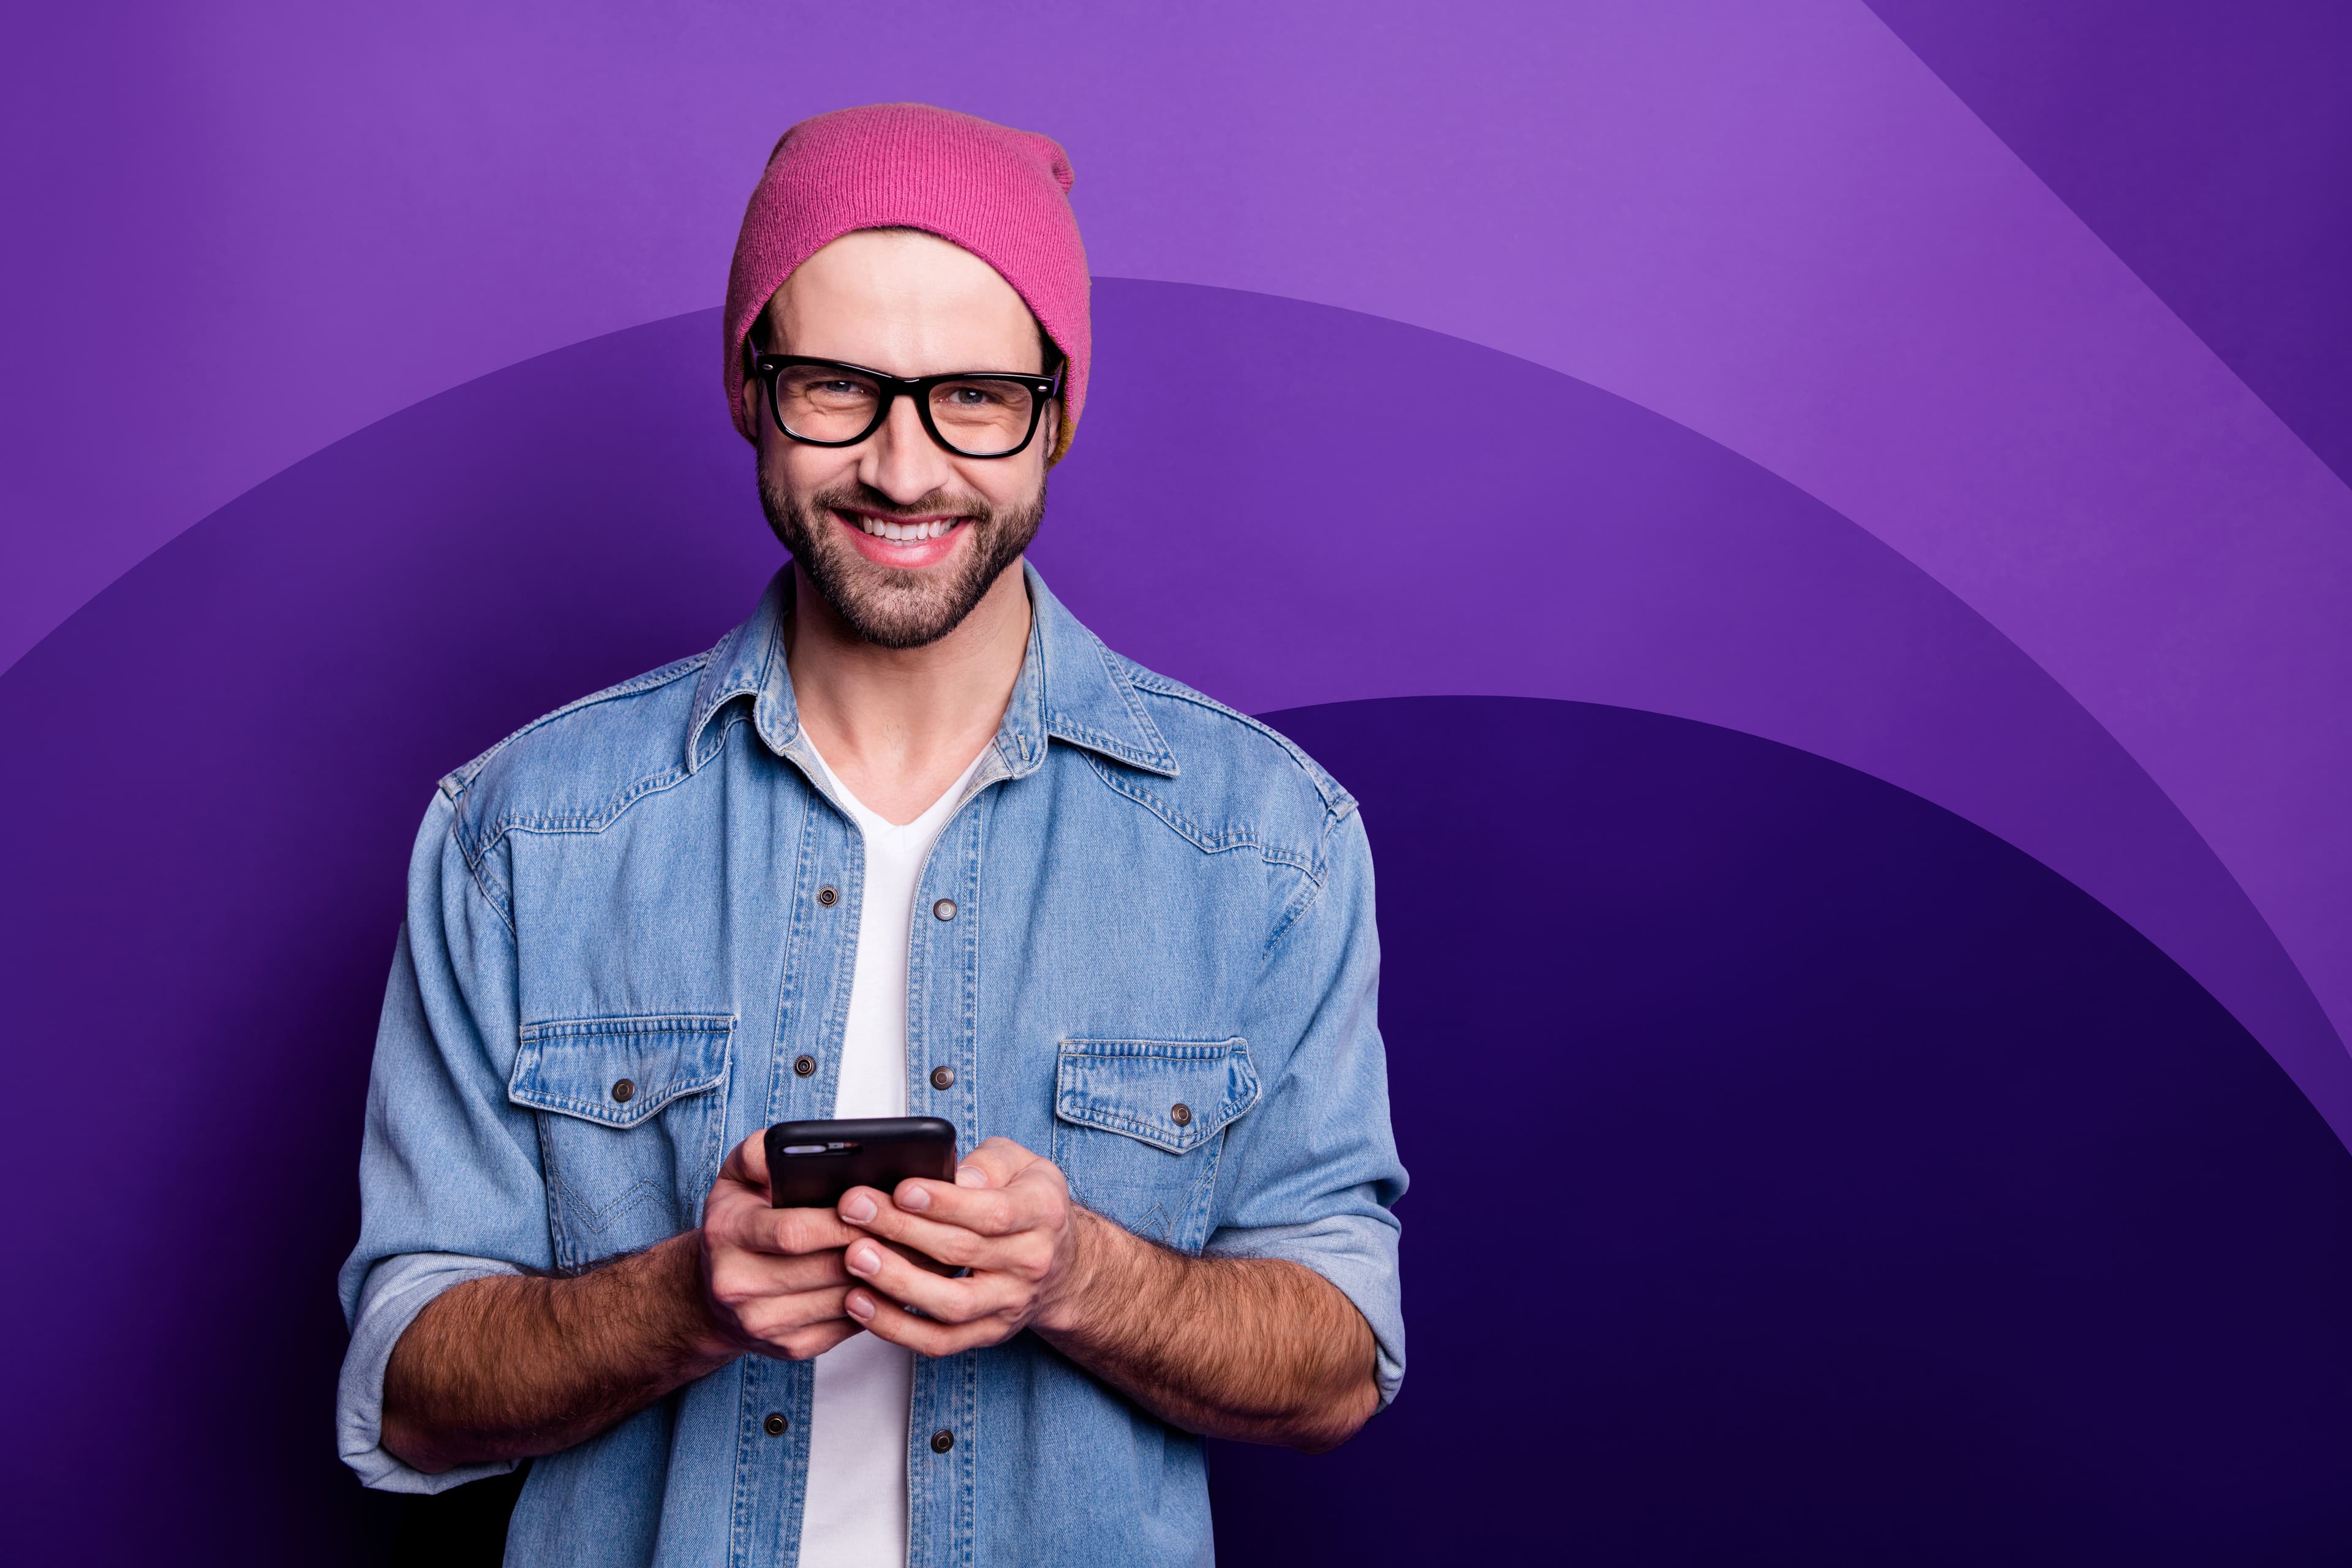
(901, 536)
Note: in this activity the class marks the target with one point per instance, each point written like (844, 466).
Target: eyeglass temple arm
(751, 363)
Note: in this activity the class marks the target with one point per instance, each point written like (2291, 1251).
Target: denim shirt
(1156, 902)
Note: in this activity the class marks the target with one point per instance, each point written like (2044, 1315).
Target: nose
(900, 459)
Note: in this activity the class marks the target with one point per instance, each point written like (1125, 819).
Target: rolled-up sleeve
(450, 1183)
(396, 1290)
(1313, 1174)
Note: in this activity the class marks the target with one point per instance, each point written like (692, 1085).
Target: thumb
(994, 1165)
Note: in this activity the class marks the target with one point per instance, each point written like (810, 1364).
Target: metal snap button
(944, 909)
(624, 1091)
(942, 1440)
(943, 1078)
(804, 1065)
(1180, 1114)
(827, 896)
(774, 1425)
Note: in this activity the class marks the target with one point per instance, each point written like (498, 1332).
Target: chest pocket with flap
(1138, 1126)
(631, 1112)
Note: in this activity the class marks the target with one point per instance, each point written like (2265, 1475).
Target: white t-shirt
(855, 1516)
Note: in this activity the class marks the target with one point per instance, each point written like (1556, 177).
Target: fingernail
(857, 1208)
(971, 1176)
(865, 1259)
(860, 1305)
(914, 1198)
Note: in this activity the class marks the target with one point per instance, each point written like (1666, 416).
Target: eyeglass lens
(977, 416)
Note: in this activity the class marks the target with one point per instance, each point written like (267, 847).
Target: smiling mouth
(913, 532)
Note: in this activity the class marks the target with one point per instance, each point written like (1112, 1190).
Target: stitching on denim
(1190, 1213)
(637, 1114)
(559, 1246)
(768, 654)
(1028, 703)
(632, 1024)
(923, 938)
(834, 1028)
(523, 1087)
(764, 1485)
(795, 988)
(1199, 1136)
(1310, 893)
(1111, 1121)
(1198, 836)
(603, 819)
(475, 874)
(794, 1389)
(705, 708)
(1125, 686)
(706, 1165)
(964, 954)
(633, 1198)
(966, 1395)
(1337, 801)
(1308, 897)
(707, 743)
(743, 1482)
(464, 777)
(1059, 721)
(1200, 1202)
(1191, 1050)
(597, 820)
(791, 984)
(1059, 724)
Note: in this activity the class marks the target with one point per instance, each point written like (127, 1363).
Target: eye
(975, 397)
(834, 391)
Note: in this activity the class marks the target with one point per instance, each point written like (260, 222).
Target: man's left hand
(1007, 1218)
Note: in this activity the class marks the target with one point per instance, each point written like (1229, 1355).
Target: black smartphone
(812, 1164)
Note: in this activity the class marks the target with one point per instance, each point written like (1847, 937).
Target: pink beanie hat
(1001, 194)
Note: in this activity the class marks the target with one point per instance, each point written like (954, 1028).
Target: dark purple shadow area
(1263, 508)
(2210, 145)
(1800, 1175)
(215, 768)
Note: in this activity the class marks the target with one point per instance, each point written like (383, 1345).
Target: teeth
(905, 532)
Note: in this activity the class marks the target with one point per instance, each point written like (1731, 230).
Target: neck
(898, 725)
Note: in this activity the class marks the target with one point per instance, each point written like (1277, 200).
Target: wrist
(701, 1338)
(1096, 1248)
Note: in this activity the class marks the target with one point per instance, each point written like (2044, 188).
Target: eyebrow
(755, 342)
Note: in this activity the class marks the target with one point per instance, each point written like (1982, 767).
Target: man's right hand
(773, 1277)
(515, 1365)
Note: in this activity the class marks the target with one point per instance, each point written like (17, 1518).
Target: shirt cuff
(397, 1289)
(1355, 1252)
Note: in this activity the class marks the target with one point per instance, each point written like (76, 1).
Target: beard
(899, 606)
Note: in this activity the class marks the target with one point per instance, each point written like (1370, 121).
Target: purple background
(1960, 421)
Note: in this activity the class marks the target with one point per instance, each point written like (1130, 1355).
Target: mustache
(865, 499)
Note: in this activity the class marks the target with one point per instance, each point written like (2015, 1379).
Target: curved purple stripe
(1288, 543)
(1597, 553)
(2209, 144)
(1774, 226)
(1900, 1079)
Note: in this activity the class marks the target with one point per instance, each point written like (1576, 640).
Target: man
(909, 841)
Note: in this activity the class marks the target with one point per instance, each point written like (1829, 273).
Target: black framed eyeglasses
(973, 414)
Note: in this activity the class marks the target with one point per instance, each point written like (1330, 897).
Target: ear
(1050, 432)
(751, 407)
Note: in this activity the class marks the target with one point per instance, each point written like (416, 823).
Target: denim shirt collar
(1071, 688)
